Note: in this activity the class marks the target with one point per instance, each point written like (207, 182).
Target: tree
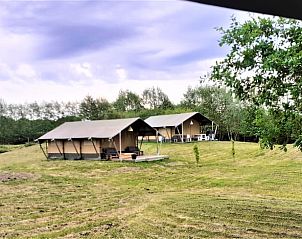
(34, 110)
(264, 65)
(128, 101)
(155, 98)
(94, 109)
(265, 61)
(217, 104)
(232, 120)
(3, 107)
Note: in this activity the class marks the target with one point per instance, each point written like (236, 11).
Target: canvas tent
(89, 139)
(182, 127)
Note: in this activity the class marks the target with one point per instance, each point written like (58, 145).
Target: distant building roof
(175, 119)
(98, 129)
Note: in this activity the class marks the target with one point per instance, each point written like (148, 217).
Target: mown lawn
(7, 148)
(257, 194)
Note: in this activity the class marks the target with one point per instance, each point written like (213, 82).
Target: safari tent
(99, 139)
(184, 127)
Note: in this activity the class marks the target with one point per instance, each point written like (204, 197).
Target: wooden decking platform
(148, 158)
(143, 158)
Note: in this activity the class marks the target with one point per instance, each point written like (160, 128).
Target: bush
(196, 153)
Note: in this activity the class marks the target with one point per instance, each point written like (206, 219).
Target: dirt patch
(10, 176)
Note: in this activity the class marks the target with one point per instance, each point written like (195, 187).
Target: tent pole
(140, 146)
(120, 142)
(75, 147)
(168, 133)
(114, 144)
(94, 146)
(81, 156)
(215, 131)
(63, 149)
(182, 132)
(178, 130)
(136, 141)
(43, 150)
(58, 148)
(157, 149)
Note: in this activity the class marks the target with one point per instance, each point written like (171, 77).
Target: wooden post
(120, 141)
(157, 149)
(178, 131)
(169, 136)
(43, 150)
(81, 141)
(63, 146)
(140, 146)
(136, 143)
(215, 131)
(116, 148)
(74, 147)
(58, 147)
(182, 132)
(94, 146)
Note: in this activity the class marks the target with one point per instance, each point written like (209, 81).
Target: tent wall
(188, 129)
(72, 149)
(75, 149)
(167, 132)
(91, 148)
(55, 149)
(128, 139)
(191, 129)
(88, 149)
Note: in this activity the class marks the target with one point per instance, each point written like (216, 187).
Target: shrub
(196, 153)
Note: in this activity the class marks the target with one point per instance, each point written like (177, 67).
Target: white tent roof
(174, 119)
(97, 129)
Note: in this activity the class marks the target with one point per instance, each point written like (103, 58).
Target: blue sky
(65, 50)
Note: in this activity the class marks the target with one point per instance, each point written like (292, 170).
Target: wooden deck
(143, 158)
(147, 158)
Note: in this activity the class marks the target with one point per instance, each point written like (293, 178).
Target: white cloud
(169, 45)
(121, 73)
(83, 69)
(26, 71)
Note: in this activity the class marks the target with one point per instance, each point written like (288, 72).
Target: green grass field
(257, 194)
(7, 148)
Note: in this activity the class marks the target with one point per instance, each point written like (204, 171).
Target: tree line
(20, 123)
(253, 94)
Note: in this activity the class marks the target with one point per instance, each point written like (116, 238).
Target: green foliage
(264, 63)
(276, 127)
(196, 153)
(217, 104)
(96, 109)
(128, 101)
(263, 68)
(155, 98)
(298, 143)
